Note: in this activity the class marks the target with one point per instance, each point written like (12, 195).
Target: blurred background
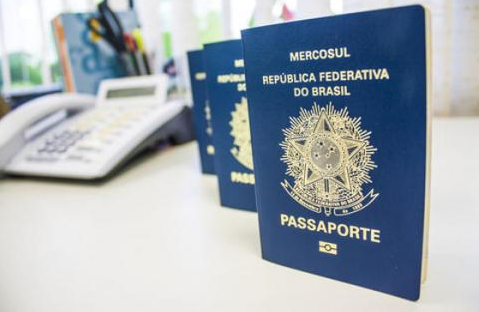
(30, 63)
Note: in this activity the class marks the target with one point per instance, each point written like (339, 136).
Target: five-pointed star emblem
(326, 154)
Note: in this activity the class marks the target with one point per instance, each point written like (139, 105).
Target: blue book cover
(229, 112)
(340, 133)
(201, 111)
(85, 59)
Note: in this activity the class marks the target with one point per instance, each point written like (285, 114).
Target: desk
(154, 238)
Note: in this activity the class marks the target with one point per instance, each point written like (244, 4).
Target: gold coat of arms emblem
(328, 158)
(240, 132)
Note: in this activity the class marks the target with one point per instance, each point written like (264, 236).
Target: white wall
(455, 46)
(312, 8)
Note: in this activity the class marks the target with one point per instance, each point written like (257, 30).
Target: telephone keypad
(89, 134)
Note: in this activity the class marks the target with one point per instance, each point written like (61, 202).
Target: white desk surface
(154, 238)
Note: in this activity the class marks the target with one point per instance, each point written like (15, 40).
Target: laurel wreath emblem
(240, 131)
(328, 157)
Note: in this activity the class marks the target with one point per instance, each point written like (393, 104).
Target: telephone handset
(82, 137)
(14, 126)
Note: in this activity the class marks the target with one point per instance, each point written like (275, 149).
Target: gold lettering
(321, 226)
(331, 228)
(311, 224)
(292, 222)
(301, 223)
(365, 232)
(242, 177)
(375, 236)
(343, 230)
(239, 63)
(200, 76)
(354, 232)
(320, 54)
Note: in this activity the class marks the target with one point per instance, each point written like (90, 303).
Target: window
(27, 49)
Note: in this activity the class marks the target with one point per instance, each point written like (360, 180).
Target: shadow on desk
(122, 169)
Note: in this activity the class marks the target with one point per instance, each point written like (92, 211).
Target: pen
(141, 47)
(130, 46)
(139, 58)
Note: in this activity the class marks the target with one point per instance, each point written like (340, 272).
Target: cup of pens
(128, 45)
(134, 58)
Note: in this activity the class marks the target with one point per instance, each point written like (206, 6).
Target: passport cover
(201, 111)
(339, 123)
(229, 113)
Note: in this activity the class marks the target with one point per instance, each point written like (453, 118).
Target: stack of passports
(201, 111)
(340, 125)
(229, 112)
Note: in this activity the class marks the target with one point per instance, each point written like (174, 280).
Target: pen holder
(129, 63)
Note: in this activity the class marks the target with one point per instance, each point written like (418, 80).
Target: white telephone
(82, 137)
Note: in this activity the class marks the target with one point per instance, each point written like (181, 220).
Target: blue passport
(201, 111)
(229, 113)
(340, 134)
